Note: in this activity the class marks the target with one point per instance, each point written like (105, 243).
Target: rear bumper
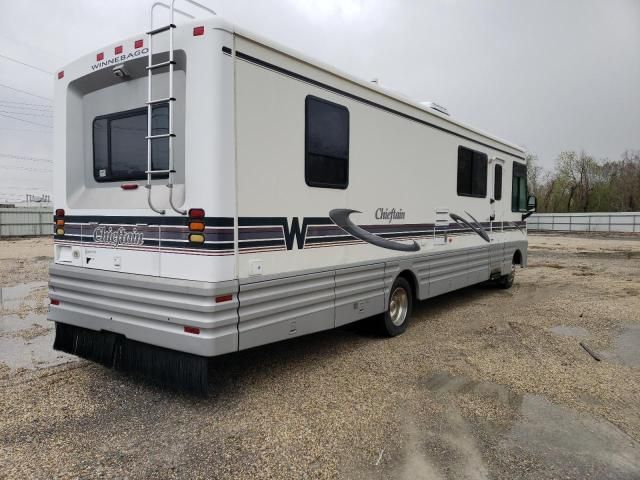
(147, 309)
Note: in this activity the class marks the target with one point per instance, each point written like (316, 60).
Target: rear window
(120, 145)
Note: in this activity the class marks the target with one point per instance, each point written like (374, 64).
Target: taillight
(60, 74)
(224, 298)
(194, 330)
(197, 31)
(197, 225)
(196, 213)
(196, 238)
(129, 186)
(55, 301)
(58, 221)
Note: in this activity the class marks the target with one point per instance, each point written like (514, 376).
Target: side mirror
(532, 204)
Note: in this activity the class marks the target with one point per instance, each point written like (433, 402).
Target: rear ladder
(169, 100)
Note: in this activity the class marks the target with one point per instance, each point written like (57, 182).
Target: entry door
(497, 214)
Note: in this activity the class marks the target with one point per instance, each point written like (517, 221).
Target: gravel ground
(485, 383)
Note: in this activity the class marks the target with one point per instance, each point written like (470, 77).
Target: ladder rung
(161, 100)
(161, 29)
(162, 135)
(161, 64)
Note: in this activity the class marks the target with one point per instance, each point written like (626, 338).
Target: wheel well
(517, 258)
(410, 277)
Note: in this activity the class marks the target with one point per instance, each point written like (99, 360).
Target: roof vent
(436, 107)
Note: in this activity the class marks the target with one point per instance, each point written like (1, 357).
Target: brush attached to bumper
(166, 367)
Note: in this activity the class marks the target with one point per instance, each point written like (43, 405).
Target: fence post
(609, 223)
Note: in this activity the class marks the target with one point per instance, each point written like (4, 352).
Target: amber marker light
(197, 226)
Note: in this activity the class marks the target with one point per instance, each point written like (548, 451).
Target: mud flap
(170, 368)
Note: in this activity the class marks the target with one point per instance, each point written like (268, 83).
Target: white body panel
(270, 237)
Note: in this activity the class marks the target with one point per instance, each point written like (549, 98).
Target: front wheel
(506, 281)
(398, 313)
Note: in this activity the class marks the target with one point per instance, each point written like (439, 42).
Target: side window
(519, 188)
(472, 173)
(497, 183)
(326, 162)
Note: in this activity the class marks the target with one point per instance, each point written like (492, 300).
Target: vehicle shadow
(229, 374)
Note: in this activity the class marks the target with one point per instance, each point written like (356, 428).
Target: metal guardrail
(26, 221)
(628, 222)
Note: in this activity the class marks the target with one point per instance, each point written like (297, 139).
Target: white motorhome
(216, 192)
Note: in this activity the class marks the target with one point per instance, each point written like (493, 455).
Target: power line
(27, 169)
(26, 130)
(24, 107)
(17, 108)
(25, 121)
(22, 157)
(26, 64)
(26, 103)
(32, 114)
(24, 91)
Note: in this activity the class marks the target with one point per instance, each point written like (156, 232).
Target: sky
(549, 75)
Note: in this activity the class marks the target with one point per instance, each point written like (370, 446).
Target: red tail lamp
(55, 301)
(224, 298)
(129, 186)
(198, 31)
(194, 330)
(196, 213)
(60, 74)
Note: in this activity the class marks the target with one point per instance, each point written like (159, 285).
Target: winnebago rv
(216, 192)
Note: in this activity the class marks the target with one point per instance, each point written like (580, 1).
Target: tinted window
(519, 188)
(120, 146)
(327, 144)
(472, 173)
(497, 183)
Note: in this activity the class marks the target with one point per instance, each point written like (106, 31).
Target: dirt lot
(486, 383)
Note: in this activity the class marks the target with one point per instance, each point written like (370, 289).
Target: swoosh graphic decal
(476, 228)
(340, 216)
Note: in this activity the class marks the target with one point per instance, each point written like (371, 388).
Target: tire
(506, 281)
(396, 317)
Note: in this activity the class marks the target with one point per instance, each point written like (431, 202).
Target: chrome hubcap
(398, 306)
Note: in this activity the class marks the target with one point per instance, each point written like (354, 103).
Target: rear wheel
(398, 313)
